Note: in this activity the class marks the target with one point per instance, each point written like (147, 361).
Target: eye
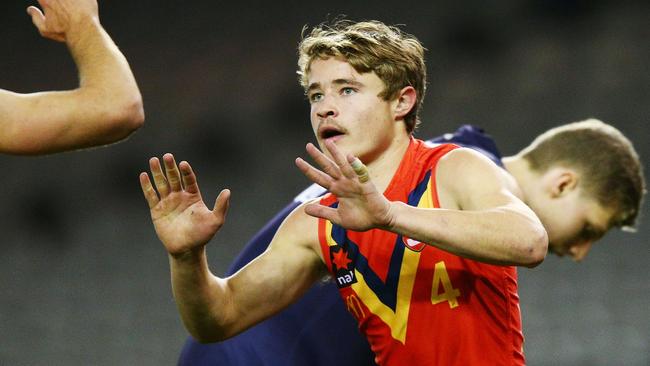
(348, 91)
(315, 97)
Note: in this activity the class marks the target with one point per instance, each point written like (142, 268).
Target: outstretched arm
(483, 219)
(214, 308)
(105, 108)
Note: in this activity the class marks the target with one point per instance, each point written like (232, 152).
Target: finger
(221, 205)
(323, 212)
(45, 27)
(328, 166)
(37, 18)
(158, 177)
(172, 173)
(189, 178)
(148, 191)
(339, 158)
(359, 169)
(314, 174)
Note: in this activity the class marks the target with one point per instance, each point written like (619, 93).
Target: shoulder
(464, 173)
(299, 230)
(467, 161)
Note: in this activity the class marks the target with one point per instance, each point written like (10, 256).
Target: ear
(561, 181)
(405, 101)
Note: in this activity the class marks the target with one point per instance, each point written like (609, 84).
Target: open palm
(361, 207)
(182, 220)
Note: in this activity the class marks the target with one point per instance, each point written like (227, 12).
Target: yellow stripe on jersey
(426, 201)
(328, 237)
(397, 321)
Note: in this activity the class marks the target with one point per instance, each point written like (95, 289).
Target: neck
(383, 168)
(519, 168)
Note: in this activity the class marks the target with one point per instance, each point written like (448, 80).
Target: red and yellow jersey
(417, 304)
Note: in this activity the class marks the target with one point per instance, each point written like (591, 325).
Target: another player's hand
(361, 207)
(182, 220)
(59, 18)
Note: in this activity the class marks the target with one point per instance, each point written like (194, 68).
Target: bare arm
(105, 108)
(213, 308)
(483, 220)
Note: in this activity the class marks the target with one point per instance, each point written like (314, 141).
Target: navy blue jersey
(317, 329)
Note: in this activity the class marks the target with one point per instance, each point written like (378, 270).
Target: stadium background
(83, 278)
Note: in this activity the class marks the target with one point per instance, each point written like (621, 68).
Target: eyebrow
(342, 81)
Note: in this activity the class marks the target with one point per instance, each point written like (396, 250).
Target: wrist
(80, 29)
(192, 255)
(390, 220)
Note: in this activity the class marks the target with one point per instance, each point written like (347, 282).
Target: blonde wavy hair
(396, 57)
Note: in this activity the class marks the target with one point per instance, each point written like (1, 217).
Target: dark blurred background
(83, 278)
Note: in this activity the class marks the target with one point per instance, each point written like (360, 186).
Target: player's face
(574, 225)
(346, 108)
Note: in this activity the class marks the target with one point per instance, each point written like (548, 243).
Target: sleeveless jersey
(294, 337)
(417, 304)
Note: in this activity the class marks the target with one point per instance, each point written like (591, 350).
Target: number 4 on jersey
(449, 293)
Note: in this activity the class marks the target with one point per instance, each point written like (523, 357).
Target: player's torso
(414, 302)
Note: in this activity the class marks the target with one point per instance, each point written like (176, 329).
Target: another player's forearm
(105, 108)
(105, 79)
(500, 235)
(200, 297)
(50, 122)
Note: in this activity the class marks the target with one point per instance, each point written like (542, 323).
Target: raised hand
(61, 17)
(361, 207)
(182, 220)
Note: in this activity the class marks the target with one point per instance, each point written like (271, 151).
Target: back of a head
(609, 167)
(395, 56)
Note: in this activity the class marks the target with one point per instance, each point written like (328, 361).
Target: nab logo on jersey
(412, 244)
(344, 279)
(340, 263)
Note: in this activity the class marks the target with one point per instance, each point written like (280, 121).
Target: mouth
(330, 132)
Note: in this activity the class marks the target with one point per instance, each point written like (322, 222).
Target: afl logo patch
(413, 244)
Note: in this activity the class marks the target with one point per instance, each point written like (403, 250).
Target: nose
(579, 251)
(326, 108)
